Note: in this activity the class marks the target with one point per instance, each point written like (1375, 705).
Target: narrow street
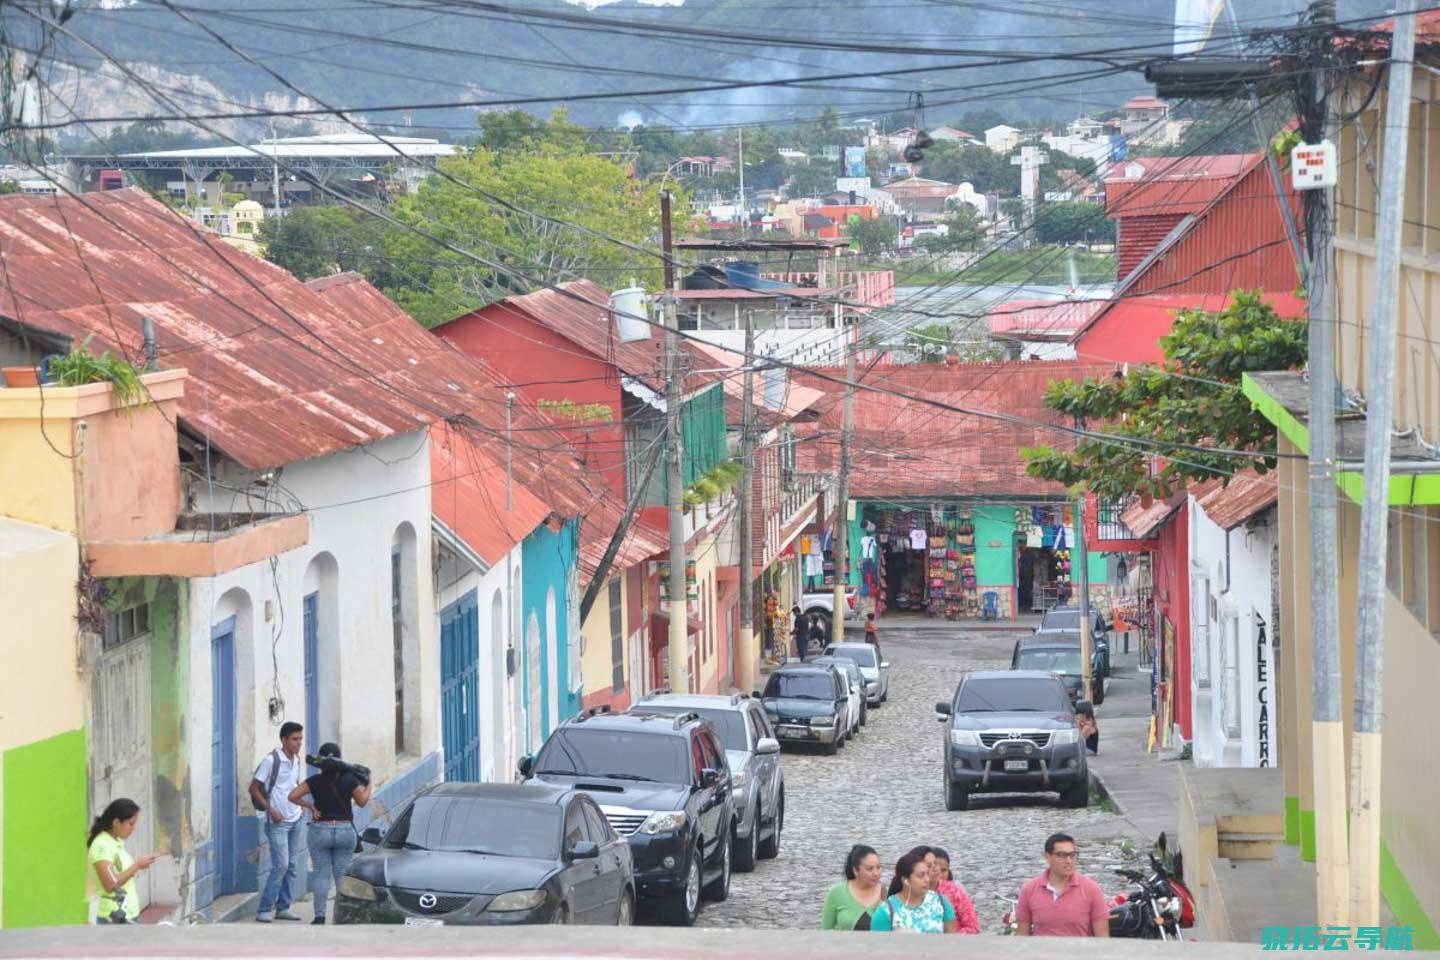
(884, 789)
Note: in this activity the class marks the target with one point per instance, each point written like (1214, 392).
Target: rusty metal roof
(278, 372)
(1247, 494)
(1143, 520)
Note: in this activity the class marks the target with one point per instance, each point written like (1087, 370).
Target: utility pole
(1374, 513)
(1327, 730)
(749, 652)
(274, 171)
(741, 165)
(842, 509)
(1078, 558)
(674, 487)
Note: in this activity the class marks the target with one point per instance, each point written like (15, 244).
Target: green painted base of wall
(1404, 904)
(45, 822)
(1307, 836)
(1292, 821)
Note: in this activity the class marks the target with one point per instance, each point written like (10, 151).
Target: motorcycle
(1008, 923)
(1159, 907)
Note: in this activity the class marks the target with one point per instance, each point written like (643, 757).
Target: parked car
(492, 853)
(821, 603)
(873, 666)
(1066, 619)
(664, 785)
(855, 682)
(1059, 653)
(808, 704)
(1012, 731)
(753, 754)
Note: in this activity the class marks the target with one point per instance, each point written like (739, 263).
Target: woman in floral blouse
(912, 906)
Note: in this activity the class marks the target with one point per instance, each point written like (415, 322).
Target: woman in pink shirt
(966, 920)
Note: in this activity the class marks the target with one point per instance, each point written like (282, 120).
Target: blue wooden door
(460, 688)
(313, 738)
(223, 800)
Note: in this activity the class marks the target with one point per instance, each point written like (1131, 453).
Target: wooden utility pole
(842, 508)
(1365, 794)
(675, 481)
(1078, 563)
(749, 650)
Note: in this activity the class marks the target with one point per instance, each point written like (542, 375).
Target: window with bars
(1230, 674)
(1200, 629)
(397, 632)
(617, 637)
(126, 625)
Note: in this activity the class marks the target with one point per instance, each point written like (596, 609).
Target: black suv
(1012, 731)
(1058, 652)
(664, 784)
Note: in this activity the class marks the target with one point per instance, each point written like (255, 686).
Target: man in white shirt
(278, 773)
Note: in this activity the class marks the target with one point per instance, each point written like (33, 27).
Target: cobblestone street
(884, 789)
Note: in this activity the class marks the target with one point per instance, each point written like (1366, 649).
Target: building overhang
(195, 551)
(1283, 398)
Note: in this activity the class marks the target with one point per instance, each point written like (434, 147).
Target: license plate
(793, 731)
(1020, 765)
(423, 922)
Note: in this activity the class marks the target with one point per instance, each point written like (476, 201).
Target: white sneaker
(265, 917)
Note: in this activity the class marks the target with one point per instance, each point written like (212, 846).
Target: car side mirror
(526, 765)
(942, 709)
(371, 835)
(767, 745)
(756, 694)
(709, 777)
(584, 850)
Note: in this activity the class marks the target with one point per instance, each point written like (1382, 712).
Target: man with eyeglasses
(1062, 902)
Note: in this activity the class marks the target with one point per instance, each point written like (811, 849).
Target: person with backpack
(114, 867)
(912, 906)
(333, 837)
(279, 773)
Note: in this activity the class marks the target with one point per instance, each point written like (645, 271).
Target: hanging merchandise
(1060, 538)
(1035, 537)
(825, 540)
(918, 539)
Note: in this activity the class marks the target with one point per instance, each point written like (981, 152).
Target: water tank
(631, 307)
(776, 386)
(744, 274)
(706, 277)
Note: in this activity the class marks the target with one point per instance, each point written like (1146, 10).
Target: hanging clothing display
(867, 547)
(918, 539)
(814, 565)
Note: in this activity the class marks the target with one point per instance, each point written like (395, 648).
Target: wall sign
(1262, 694)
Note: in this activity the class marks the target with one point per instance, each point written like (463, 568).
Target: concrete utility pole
(741, 165)
(1078, 559)
(749, 651)
(1327, 732)
(1379, 412)
(842, 509)
(274, 171)
(675, 482)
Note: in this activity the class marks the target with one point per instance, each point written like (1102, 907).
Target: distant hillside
(363, 56)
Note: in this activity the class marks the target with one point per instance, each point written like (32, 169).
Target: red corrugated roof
(279, 374)
(1143, 521)
(905, 447)
(1172, 186)
(1141, 313)
(1247, 494)
(467, 493)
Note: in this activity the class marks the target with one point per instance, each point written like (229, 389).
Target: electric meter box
(1312, 165)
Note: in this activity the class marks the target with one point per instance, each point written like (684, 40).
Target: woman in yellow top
(114, 867)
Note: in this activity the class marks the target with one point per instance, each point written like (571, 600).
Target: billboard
(853, 162)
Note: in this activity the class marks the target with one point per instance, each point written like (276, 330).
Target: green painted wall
(1099, 569)
(994, 566)
(45, 823)
(1405, 904)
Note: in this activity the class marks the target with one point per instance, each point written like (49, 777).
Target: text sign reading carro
(1312, 165)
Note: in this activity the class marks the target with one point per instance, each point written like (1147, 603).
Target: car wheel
(1077, 794)
(625, 916)
(747, 851)
(770, 846)
(684, 904)
(841, 739)
(864, 714)
(956, 796)
(562, 915)
(719, 888)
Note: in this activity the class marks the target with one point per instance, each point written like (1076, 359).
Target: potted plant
(79, 366)
(22, 376)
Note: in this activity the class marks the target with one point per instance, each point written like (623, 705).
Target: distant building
(952, 135)
(793, 156)
(917, 196)
(1002, 139)
(1147, 122)
(703, 166)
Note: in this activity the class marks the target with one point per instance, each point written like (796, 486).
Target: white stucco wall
(356, 501)
(1236, 617)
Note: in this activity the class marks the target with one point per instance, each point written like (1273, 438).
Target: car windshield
(619, 754)
(863, 656)
(800, 686)
(730, 724)
(1062, 618)
(1020, 694)
(473, 825)
(1064, 660)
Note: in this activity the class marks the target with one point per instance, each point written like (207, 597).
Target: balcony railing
(798, 492)
(1108, 525)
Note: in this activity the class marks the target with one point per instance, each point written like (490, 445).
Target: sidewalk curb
(1098, 788)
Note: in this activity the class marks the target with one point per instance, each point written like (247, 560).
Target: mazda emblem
(427, 901)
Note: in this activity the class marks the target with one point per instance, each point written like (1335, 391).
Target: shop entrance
(1035, 577)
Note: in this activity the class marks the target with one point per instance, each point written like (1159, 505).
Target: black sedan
(492, 853)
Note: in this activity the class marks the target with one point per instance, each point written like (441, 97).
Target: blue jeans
(284, 840)
(332, 847)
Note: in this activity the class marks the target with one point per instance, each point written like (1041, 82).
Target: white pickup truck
(822, 603)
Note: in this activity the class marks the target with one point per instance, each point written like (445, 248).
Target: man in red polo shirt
(1062, 902)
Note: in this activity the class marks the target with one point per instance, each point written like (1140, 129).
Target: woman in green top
(851, 902)
(114, 867)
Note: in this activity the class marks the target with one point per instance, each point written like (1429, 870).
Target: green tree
(814, 179)
(1185, 411)
(983, 169)
(875, 235)
(9, 186)
(1073, 221)
(930, 343)
(565, 207)
(318, 241)
(518, 130)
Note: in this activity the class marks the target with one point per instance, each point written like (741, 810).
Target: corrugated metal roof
(798, 397)
(279, 374)
(1138, 311)
(904, 447)
(467, 492)
(1247, 494)
(1055, 319)
(1171, 186)
(1143, 521)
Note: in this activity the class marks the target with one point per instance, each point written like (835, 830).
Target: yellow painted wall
(36, 483)
(41, 689)
(597, 676)
(706, 609)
